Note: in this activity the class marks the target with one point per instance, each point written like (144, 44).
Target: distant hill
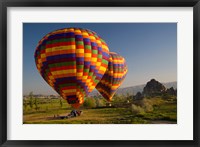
(134, 89)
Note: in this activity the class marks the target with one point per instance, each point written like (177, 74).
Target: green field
(156, 110)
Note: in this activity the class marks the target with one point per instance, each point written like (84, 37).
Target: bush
(146, 104)
(119, 99)
(25, 104)
(36, 104)
(61, 103)
(100, 102)
(157, 101)
(136, 109)
(89, 103)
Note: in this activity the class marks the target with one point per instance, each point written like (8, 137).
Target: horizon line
(96, 89)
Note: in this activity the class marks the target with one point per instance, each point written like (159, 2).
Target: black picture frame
(98, 3)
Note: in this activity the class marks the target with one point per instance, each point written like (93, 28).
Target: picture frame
(195, 4)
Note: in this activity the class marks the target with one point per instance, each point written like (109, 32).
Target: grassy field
(146, 111)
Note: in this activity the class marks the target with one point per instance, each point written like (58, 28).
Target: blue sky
(150, 50)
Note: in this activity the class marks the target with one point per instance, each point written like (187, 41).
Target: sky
(150, 50)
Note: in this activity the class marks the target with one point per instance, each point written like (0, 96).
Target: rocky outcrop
(153, 88)
(139, 96)
(171, 91)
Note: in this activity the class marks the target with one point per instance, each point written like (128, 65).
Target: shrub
(148, 107)
(119, 98)
(31, 99)
(61, 103)
(100, 102)
(89, 103)
(136, 109)
(25, 105)
(36, 104)
(146, 104)
(157, 101)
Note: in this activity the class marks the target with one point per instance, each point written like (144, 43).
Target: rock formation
(153, 88)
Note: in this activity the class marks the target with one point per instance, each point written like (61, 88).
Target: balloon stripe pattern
(114, 76)
(72, 61)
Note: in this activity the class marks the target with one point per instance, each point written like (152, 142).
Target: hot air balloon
(114, 76)
(72, 61)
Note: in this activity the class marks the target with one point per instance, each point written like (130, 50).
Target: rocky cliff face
(153, 88)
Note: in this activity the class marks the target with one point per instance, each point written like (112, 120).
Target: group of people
(74, 113)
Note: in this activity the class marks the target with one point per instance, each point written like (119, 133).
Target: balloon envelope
(114, 76)
(72, 61)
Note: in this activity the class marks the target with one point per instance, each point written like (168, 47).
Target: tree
(89, 103)
(36, 104)
(127, 95)
(61, 103)
(25, 104)
(31, 99)
(100, 102)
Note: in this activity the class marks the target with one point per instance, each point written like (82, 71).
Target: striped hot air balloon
(72, 61)
(114, 76)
